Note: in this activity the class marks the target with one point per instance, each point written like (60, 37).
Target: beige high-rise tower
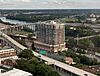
(50, 36)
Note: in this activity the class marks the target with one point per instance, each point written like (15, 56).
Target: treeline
(35, 18)
(92, 44)
(81, 31)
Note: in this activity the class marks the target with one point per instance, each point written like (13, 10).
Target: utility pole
(77, 39)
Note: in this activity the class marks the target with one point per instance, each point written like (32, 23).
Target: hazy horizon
(49, 4)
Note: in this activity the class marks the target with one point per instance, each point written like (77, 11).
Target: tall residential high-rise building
(50, 36)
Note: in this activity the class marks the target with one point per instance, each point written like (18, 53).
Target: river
(4, 19)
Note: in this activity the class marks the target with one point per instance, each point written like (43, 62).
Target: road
(96, 27)
(86, 37)
(85, 24)
(55, 62)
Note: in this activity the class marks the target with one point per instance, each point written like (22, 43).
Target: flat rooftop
(8, 71)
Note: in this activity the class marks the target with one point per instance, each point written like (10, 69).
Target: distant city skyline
(49, 4)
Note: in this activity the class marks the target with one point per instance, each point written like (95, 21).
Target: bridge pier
(31, 26)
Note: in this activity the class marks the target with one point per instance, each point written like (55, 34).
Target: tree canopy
(26, 53)
(30, 63)
(35, 67)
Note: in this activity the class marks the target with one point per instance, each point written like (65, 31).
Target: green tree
(71, 41)
(87, 61)
(53, 73)
(96, 41)
(84, 60)
(70, 53)
(27, 29)
(76, 59)
(35, 67)
(43, 69)
(26, 53)
(81, 51)
(86, 42)
(21, 64)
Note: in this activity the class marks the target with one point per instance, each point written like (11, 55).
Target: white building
(13, 72)
(91, 19)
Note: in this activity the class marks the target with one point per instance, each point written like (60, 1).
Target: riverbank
(11, 21)
(6, 23)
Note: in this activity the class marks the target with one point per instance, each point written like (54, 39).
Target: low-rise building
(9, 62)
(91, 19)
(68, 60)
(7, 54)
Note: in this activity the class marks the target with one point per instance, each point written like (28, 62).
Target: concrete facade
(50, 36)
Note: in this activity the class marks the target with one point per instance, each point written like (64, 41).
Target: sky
(49, 4)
